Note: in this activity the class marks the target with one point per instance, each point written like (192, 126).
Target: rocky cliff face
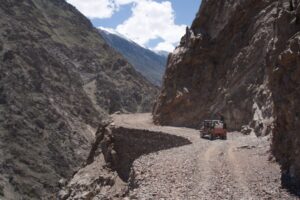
(284, 65)
(240, 59)
(151, 65)
(219, 67)
(58, 80)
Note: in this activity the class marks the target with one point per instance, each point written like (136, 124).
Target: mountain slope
(239, 59)
(149, 64)
(58, 80)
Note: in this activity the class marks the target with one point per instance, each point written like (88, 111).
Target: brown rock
(221, 68)
(284, 69)
(109, 174)
(241, 59)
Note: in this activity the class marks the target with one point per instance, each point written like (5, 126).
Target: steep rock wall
(284, 66)
(241, 59)
(219, 67)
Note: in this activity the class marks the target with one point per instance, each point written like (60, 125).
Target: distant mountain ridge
(162, 53)
(150, 64)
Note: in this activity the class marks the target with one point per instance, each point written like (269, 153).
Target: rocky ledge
(107, 173)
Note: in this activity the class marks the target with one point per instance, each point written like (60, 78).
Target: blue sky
(155, 24)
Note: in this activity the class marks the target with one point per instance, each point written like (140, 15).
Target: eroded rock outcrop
(284, 66)
(108, 173)
(220, 66)
(241, 59)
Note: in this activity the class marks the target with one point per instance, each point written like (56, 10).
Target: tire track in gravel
(237, 172)
(215, 174)
(204, 170)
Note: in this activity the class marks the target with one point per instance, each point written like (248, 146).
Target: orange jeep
(213, 129)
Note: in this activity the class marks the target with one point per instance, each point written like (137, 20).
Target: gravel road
(238, 168)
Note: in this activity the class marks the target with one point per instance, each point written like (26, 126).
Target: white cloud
(124, 2)
(164, 46)
(95, 8)
(113, 31)
(150, 20)
(99, 8)
(109, 30)
(153, 20)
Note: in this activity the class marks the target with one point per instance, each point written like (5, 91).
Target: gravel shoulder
(238, 168)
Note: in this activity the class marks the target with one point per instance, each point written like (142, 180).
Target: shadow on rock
(129, 144)
(290, 184)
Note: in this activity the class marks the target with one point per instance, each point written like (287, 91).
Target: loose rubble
(234, 169)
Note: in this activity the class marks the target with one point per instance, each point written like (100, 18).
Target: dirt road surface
(239, 168)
